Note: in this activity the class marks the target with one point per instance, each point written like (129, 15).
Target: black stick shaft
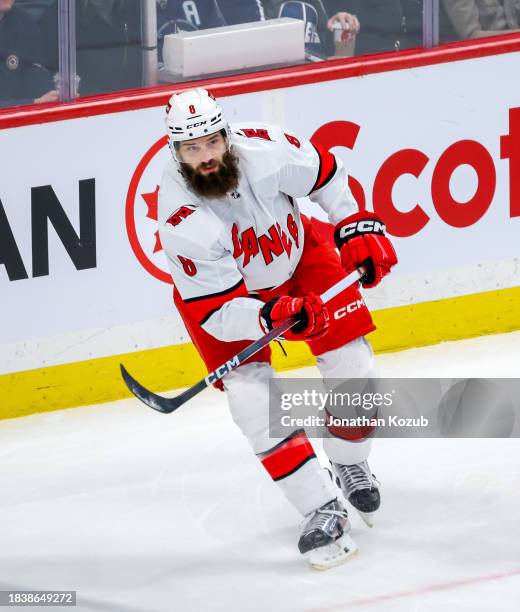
(167, 405)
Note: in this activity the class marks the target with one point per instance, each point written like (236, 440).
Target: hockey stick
(167, 405)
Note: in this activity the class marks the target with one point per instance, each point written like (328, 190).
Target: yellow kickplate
(99, 380)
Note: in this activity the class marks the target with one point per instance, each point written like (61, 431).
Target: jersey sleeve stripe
(201, 308)
(208, 315)
(213, 295)
(327, 168)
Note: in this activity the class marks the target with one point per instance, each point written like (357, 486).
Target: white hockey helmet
(192, 114)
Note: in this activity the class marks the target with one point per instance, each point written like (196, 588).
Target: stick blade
(157, 402)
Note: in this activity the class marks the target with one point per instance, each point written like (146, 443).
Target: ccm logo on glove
(362, 227)
(361, 241)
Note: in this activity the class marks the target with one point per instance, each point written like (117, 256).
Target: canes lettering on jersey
(272, 244)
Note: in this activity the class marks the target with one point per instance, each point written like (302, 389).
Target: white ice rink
(141, 511)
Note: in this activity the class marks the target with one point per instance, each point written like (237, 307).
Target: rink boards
(83, 283)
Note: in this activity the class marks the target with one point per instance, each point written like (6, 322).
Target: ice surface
(141, 511)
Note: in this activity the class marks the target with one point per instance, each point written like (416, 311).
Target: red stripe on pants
(288, 456)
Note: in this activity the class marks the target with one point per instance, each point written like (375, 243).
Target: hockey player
(242, 259)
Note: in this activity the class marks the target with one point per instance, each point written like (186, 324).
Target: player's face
(208, 166)
(204, 155)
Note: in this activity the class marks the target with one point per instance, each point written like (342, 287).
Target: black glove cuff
(367, 225)
(370, 272)
(265, 314)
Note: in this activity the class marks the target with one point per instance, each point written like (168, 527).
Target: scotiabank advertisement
(434, 150)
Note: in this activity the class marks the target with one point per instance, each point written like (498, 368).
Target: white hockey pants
(290, 460)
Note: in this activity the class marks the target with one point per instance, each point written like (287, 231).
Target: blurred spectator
(178, 16)
(345, 28)
(318, 39)
(202, 14)
(23, 80)
(108, 44)
(385, 25)
(476, 18)
(242, 11)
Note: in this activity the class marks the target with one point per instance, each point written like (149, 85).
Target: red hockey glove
(361, 241)
(311, 311)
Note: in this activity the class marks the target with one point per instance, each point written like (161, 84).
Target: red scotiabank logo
(144, 189)
(413, 161)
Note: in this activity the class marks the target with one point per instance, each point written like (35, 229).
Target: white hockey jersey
(219, 250)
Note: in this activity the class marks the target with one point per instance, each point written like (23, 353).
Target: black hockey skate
(324, 540)
(360, 488)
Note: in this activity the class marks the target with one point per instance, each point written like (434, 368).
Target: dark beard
(216, 184)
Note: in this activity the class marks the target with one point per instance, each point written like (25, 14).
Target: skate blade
(368, 517)
(334, 554)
